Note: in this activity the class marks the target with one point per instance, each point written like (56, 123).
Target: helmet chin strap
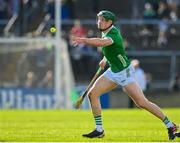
(105, 28)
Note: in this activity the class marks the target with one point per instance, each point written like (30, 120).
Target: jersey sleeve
(109, 38)
(114, 36)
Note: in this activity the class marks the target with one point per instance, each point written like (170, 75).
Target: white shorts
(123, 77)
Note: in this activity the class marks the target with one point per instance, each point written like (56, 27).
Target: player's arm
(97, 42)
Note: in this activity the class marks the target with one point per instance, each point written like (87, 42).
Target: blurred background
(42, 70)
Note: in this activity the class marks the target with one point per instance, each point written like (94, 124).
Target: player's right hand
(77, 40)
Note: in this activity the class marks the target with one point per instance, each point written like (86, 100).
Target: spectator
(149, 12)
(47, 81)
(77, 52)
(164, 15)
(30, 80)
(173, 5)
(154, 4)
(82, 55)
(139, 74)
(78, 30)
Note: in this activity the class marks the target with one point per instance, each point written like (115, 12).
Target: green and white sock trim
(168, 123)
(98, 121)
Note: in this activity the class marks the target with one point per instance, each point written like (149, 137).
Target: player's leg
(141, 101)
(134, 91)
(102, 85)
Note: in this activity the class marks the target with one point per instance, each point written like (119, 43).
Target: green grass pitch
(121, 125)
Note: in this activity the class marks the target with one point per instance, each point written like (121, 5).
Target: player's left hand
(102, 64)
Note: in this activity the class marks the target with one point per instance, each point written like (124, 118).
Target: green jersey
(115, 53)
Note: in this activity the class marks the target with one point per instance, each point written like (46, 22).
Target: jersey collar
(104, 33)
